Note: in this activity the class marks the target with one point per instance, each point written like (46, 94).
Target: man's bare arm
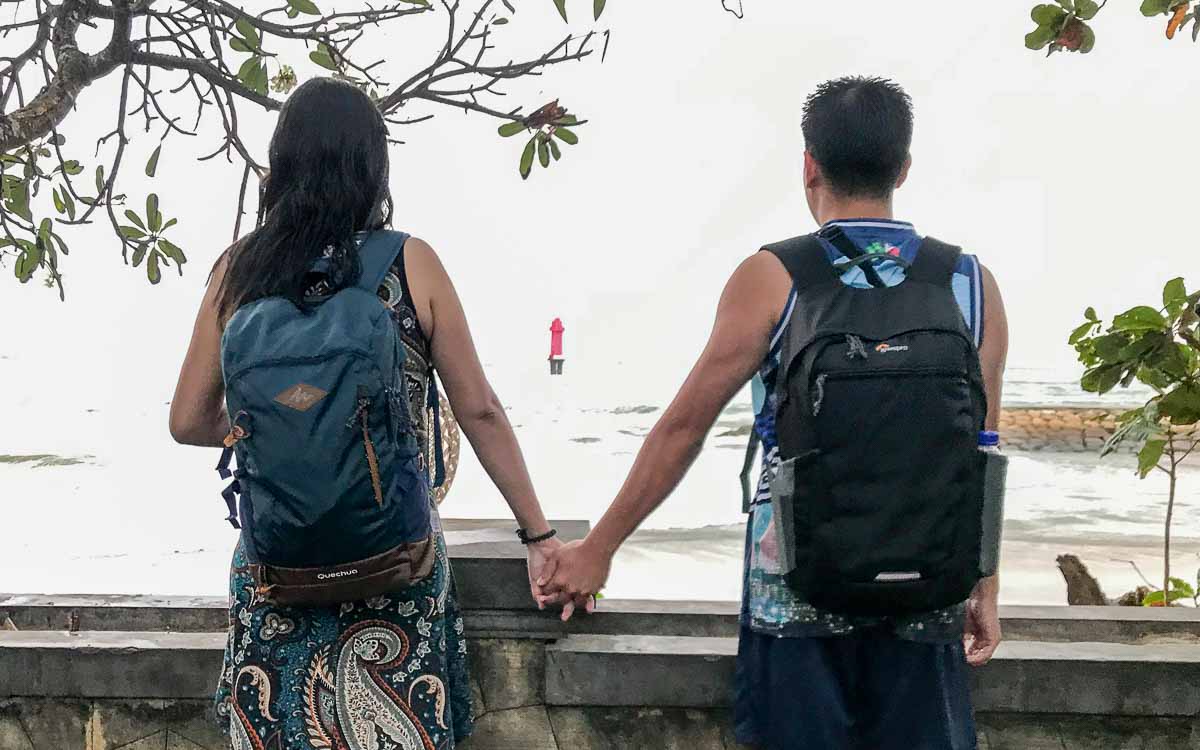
(746, 314)
(983, 624)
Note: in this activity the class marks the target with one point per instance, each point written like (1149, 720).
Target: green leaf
(248, 31)
(554, 151)
(1154, 599)
(1156, 7)
(1090, 314)
(152, 165)
(72, 167)
(1086, 9)
(567, 120)
(172, 251)
(527, 158)
(238, 45)
(248, 71)
(1089, 39)
(509, 129)
(323, 59)
(100, 178)
(262, 81)
(1048, 15)
(1101, 379)
(1040, 37)
(59, 205)
(131, 233)
(1175, 295)
(27, 262)
(292, 12)
(18, 201)
(137, 220)
(1140, 318)
(1182, 405)
(139, 253)
(1110, 346)
(169, 224)
(566, 136)
(153, 215)
(500, 22)
(304, 6)
(562, 8)
(45, 229)
(1082, 331)
(598, 8)
(152, 270)
(58, 139)
(543, 153)
(1149, 456)
(1182, 586)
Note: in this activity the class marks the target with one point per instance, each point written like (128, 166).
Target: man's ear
(904, 171)
(812, 172)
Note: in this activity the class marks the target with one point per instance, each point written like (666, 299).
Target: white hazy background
(1067, 176)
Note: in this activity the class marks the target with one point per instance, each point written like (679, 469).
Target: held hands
(539, 554)
(573, 575)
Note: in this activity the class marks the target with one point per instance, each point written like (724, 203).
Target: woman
(297, 677)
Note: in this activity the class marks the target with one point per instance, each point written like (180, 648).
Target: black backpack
(880, 401)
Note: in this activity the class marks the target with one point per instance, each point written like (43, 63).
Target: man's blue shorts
(866, 691)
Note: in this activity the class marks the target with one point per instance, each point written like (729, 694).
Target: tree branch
(208, 73)
(76, 70)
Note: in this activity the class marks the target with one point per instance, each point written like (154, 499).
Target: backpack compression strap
(936, 262)
(377, 253)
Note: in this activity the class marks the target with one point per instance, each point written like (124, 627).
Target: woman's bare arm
(476, 406)
(198, 414)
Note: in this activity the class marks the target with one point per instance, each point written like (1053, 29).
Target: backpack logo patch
(886, 348)
(301, 396)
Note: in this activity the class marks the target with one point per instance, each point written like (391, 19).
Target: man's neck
(838, 209)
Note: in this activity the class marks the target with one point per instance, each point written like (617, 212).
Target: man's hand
(982, 634)
(575, 573)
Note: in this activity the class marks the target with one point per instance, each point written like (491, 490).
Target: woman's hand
(539, 554)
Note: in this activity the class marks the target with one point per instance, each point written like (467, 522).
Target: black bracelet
(523, 535)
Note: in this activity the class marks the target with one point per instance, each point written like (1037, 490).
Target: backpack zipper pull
(819, 396)
(362, 412)
(856, 347)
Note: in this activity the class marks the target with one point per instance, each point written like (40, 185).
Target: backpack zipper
(361, 413)
(818, 393)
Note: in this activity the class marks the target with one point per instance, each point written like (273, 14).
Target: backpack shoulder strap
(377, 254)
(805, 259)
(936, 262)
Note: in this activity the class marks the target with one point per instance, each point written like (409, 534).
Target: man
(808, 678)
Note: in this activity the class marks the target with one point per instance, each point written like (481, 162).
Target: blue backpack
(334, 502)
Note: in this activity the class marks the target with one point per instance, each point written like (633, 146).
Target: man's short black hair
(859, 130)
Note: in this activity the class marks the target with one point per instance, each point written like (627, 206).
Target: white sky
(1072, 177)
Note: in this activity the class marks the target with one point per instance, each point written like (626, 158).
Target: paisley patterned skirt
(388, 673)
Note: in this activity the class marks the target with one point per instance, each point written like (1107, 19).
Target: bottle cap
(989, 438)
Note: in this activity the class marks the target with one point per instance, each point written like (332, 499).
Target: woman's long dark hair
(328, 180)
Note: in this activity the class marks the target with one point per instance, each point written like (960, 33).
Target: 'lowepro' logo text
(886, 348)
(337, 574)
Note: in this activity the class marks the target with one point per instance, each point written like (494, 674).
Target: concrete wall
(138, 672)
